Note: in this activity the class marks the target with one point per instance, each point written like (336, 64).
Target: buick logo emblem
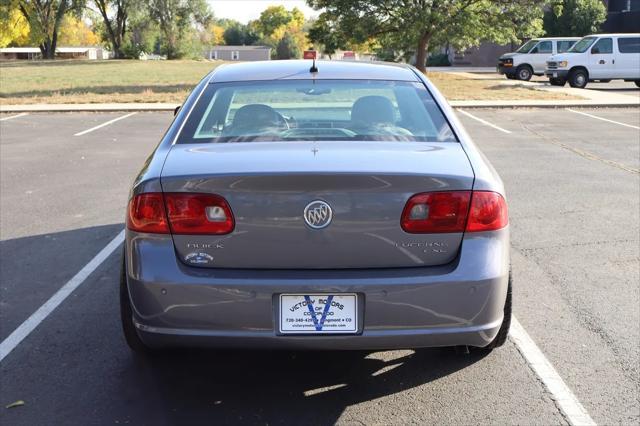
(318, 214)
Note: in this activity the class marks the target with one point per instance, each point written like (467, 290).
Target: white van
(532, 56)
(602, 57)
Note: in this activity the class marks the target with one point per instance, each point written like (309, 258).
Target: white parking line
(14, 116)
(84, 132)
(20, 333)
(603, 119)
(566, 401)
(486, 123)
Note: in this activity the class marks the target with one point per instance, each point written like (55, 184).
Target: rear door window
(564, 45)
(629, 44)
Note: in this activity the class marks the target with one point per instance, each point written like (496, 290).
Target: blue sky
(246, 10)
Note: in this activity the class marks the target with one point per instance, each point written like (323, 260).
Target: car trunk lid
(268, 185)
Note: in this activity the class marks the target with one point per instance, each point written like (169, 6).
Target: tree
(14, 28)
(272, 18)
(176, 19)
(275, 23)
(114, 15)
(44, 18)
(286, 48)
(213, 35)
(415, 24)
(142, 35)
(237, 34)
(574, 17)
(75, 32)
(323, 34)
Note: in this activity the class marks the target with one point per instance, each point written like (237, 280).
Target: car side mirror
(595, 50)
(175, 111)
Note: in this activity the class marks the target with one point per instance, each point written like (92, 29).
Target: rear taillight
(456, 211)
(436, 212)
(147, 214)
(180, 213)
(198, 213)
(488, 212)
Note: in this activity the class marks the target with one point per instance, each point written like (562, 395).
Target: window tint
(295, 110)
(525, 48)
(582, 45)
(604, 45)
(543, 47)
(564, 45)
(629, 44)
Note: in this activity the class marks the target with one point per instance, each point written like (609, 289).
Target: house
(25, 53)
(484, 55)
(33, 53)
(623, 16)
(91, 53)
(238, 53)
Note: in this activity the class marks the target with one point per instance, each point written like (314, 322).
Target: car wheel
(578, 78)
(557, 81)
(524, 73)
(637, 83)
(126, 316)
(503, 333)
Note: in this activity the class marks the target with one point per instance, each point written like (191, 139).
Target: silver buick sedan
(333, 206)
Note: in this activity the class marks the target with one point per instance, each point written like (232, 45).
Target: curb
(543, 104)
(162, 107)
(141, 107)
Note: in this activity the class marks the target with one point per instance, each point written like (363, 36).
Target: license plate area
(318, 313)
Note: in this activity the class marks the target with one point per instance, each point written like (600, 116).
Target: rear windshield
(296, 110)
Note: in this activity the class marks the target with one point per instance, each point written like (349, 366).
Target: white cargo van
(531, 57)
(601, 57)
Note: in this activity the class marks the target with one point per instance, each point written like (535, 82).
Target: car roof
(615, 35)
(556, 38)
(300, 70)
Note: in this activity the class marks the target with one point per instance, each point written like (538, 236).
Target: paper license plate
(318, 313)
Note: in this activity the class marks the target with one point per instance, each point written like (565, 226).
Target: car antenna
(311, 54)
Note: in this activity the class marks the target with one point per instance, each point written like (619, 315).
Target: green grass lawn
(24, 82)
(130, 81)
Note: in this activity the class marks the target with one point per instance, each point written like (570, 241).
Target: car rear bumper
(368, 340)
(460, 303)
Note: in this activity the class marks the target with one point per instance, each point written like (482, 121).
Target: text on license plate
(318, 313)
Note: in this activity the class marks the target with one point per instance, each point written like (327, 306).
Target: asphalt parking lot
(573, 185)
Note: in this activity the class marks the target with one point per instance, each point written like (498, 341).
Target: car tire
(503, 333)
(637, 83)
(557, 81)
(524, 73)
(578, 78)
(126, 316)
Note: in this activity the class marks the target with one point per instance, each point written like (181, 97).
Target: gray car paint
(268, 186)
(457, 303)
